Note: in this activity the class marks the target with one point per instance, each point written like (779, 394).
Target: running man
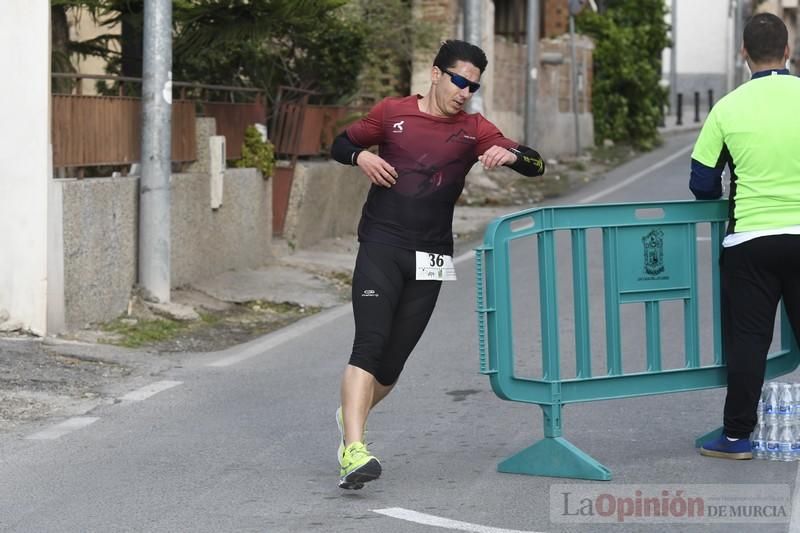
(426, 146)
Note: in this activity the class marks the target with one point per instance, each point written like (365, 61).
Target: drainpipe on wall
(154, 183)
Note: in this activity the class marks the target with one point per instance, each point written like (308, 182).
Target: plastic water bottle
(785, 403)
(773, 442)
(760, 441)
(796, 443)
(786, 440)
(796, 396)
(770, 399)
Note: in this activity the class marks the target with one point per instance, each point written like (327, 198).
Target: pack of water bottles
(777, 433)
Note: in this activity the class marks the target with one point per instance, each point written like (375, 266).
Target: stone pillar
(205, 128)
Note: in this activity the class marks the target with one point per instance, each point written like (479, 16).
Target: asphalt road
(247, 442)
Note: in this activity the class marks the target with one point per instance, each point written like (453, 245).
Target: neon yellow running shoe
(357, 467)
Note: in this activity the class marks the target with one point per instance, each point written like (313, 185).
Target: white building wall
(705, 48)
(25, 161)
(704, 38)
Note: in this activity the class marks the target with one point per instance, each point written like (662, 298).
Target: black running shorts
(391, 309)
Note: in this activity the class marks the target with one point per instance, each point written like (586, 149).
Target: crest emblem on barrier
(653, 244)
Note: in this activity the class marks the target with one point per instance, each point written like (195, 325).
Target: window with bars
(509, 19)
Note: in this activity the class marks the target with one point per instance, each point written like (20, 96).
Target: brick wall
(555, 18)
(554, 80)
(509, 75)
(444, 12)
(512, 14)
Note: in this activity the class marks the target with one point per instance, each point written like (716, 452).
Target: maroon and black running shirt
(432, 156)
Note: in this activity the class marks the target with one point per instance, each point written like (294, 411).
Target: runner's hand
(496, 156)
(377, 169)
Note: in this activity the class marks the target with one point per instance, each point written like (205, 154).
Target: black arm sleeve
(344, 150)
(528, 163)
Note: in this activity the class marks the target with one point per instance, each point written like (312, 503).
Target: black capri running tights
(391, 309)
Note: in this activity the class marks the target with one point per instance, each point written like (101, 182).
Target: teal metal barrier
(649, 257)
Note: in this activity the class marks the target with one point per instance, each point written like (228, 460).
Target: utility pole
(472, 34)
(532, 69)
(673, 58)
(154, 183)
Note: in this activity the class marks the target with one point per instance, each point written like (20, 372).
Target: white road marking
(437, 521)
(67, 426)
(149, 390)
(284, 335)
(624, 183)
(794, 523)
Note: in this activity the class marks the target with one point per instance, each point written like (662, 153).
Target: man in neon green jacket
(755, 131)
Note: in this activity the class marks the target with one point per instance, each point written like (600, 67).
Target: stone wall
(554, 117)
(100, 232)
(442, 12)
(508, 111)
(446, 14)
(555, 120)
(555, 18)
(325, 201)
(101, 237)
(206, 241)
(556, 82)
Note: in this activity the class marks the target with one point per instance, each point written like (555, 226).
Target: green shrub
(257, 153)
(627, 99)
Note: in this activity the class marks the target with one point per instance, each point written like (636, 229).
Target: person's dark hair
(453, 50)
(765, 38)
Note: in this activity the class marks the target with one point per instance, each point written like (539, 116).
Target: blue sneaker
(728, 449)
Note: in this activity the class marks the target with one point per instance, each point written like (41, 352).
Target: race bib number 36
(435, 267)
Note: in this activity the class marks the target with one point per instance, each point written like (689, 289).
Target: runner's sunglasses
(461, 82)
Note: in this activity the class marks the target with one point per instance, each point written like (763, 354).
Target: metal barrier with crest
(649, 257)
